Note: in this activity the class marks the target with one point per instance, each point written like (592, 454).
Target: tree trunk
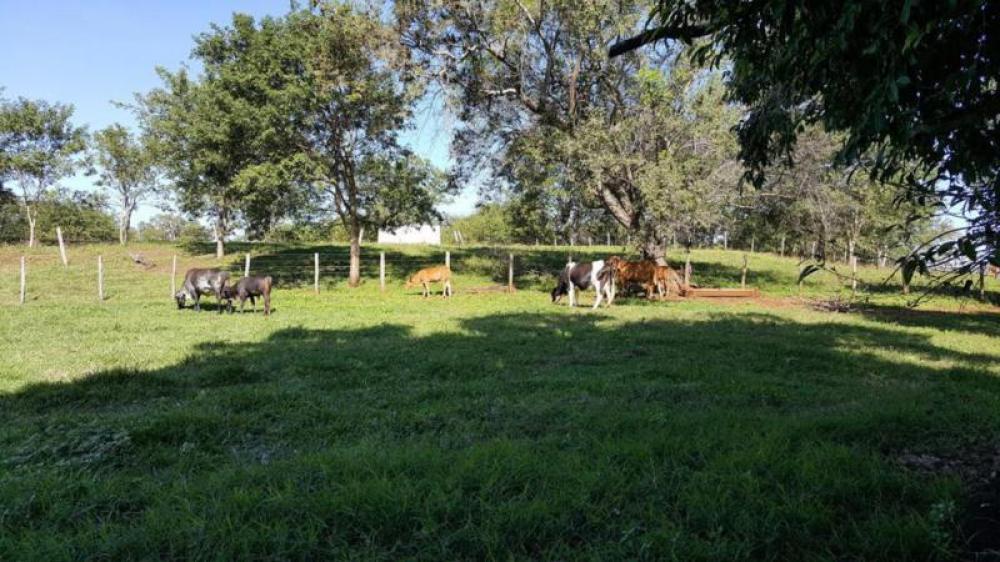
(655, 249)
(32, 218)
(124, 223)
(354, 276)
(220, 237)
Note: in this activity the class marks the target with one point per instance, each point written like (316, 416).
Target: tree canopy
(39, 145)
(127, 167)
(913, 86)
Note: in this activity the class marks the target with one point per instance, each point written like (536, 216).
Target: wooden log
(723, 292)
(246, 267)
(381, 270)
(100, 278)
(62, 246)
(316, 273)
(24, 279)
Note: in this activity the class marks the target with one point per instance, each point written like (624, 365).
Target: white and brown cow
(584, 276)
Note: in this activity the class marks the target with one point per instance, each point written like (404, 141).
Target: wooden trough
(730, 293)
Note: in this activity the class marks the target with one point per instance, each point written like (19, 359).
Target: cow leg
(197, 301)
(253, 304)
(600, 293)
(243, 302)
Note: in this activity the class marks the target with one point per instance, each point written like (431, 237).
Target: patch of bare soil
(979, 519)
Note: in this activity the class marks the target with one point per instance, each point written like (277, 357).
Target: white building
(411, 234)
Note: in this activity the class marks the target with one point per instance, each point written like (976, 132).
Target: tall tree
(914, 83)
(526, 77)
(127, 167)
(40, 145)
(227, 137)
(361, 99)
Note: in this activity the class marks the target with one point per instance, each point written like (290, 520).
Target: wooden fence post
(381, 270)
(24, 278)
(510, 274)
(62, 247)
(982, 282)
(246, 268)
(687, 269)
(609, 238)
(100, 278)
(753, 241)
(813, 254)
(743, 277)
(316, 272)
(782, 246)
(447, 259)
(854, 275)
(173, 277)
(801, 280)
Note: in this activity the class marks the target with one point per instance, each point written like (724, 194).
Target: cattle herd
(601, 275)
(606, 275)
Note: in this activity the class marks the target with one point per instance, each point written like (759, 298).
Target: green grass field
(362, 424)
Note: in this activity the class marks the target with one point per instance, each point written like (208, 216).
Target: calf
(640, 272)
(251, 288)
(583, 276)
(199, 282)
(437, 274)
(666, 279)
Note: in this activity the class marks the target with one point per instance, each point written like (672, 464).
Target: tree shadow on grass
(540, 435)
(979, 322)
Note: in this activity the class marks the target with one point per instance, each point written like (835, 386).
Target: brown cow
(437, 274)
(640, 272)
(666, 279)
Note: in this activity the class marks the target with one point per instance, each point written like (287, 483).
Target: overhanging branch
(682, 32)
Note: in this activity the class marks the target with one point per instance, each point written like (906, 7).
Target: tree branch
(683, 32)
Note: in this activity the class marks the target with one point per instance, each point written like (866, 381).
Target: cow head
(614, 262)
(181, 298)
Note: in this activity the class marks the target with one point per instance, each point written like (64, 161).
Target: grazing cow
(198, 282)
(437, 274)
(251, 288)
(640, 272)
(666, 279)
(582, 276)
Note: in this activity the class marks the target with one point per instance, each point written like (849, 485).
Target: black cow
(250, 288)
(199, 282)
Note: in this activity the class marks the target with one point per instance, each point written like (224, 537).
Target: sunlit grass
(357, 423)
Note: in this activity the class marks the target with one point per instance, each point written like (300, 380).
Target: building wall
(412, 234)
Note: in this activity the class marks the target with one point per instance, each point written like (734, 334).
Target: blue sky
(92, 53)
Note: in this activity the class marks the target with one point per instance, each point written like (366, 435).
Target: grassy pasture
(361, 424)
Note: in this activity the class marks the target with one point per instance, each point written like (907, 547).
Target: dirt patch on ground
(978, 519)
